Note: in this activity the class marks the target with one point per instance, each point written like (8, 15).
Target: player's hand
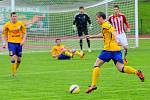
(74, 28)
(90, 27)
(129, 30)
(22, 43)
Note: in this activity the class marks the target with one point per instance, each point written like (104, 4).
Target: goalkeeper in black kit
(80, 24)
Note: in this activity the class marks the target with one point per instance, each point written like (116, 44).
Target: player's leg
(12, 54)
(67, 52)
(87, 39)
(105, 56)
(19, 55)
(125, 54)
(95, 75)
(124, 42)
(78, 53)
(125, 69)
(63, 57)
(80, 34)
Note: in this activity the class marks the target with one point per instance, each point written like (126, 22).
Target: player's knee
(125, 48)
(96, 66)
(121, 70)
(12, 61)
(19, 60)
(87, 37)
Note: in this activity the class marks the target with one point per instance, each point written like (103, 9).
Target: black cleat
(90, 89)
(140, 75)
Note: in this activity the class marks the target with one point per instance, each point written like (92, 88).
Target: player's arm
(113, 31)
(109, 19)
(4, 35)
(34, 19)
(75, 20)
(74, 23)
(23, 29)
(96, 36)
(53, 53)
(126, 23)
(89, 20)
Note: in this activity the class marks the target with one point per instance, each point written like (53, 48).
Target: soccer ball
(74, 89)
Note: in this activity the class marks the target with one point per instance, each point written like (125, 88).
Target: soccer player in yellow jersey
(14, 32)
(111, 51)
(60, 52)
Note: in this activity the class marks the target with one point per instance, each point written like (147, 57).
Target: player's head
(100, 17)
(81, 9)
(13, 17)
(116, 9)
(58, 41)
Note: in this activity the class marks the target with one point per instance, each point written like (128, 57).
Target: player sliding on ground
(14, 32)
(118, 20)
(111, 50)
(60, 52)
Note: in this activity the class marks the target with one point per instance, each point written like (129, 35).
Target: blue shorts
(63, 57)
(106, 56)
(15, 49)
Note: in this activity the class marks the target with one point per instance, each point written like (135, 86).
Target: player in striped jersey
(118, 20)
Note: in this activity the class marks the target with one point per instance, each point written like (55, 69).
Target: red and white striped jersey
(118, 23)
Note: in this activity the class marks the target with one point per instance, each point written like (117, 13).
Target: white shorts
(122, 39)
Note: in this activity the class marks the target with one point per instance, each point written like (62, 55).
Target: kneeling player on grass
(111, 50)
(62, 53)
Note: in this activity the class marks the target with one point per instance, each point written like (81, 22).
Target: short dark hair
(81, 7)
(12, 13)
(101, 14)
(57, 39)
(116, 6)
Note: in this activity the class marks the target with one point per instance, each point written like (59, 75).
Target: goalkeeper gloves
(74, 28)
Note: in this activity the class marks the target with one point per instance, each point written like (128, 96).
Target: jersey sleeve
(53, 51)
(109, 27)
(88, 19)
(23, 28)
(125, 21)
(5, 30)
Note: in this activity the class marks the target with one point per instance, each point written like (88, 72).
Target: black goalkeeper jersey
(81, 21)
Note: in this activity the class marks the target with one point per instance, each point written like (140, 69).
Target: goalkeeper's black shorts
(82, 31)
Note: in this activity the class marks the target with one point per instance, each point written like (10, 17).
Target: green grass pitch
(42, 78)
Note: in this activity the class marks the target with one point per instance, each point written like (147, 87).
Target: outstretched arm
(34, 19)
(96, 36)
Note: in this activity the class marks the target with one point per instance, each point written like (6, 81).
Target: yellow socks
(14, 68)
(95, 74)
(77, 53)
(18, 63)
(68, 53)
(129, 70)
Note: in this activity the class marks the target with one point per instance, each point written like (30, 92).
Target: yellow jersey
(56, 50)
(110, 43)
(14, 32)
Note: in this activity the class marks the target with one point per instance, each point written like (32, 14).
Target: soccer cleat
(14, 75)
(125, 61)
(140, 75)
(82, 54)
(90, 89)
(89, 50)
